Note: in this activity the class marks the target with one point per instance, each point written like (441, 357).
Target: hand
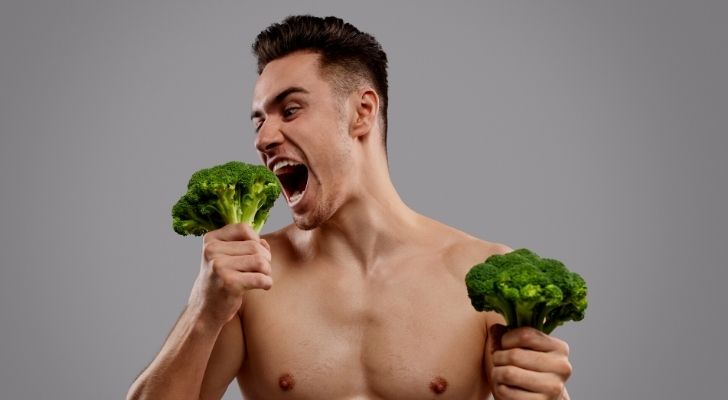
(528, 364)
(234, 260)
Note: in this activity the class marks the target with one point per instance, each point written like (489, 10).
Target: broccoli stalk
(230, 193)
(527, 290)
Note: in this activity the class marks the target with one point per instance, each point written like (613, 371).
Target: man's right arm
(205, 349)
(180, 370)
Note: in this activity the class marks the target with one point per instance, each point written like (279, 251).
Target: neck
(371, 223)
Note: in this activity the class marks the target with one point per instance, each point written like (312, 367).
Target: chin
(314, 218)
(305, 225)
(307, 222)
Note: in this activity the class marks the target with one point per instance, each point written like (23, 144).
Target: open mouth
(294, 179)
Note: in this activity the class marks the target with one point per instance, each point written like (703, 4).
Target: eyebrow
(278, 99)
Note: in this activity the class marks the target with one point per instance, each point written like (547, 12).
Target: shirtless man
(362, 297)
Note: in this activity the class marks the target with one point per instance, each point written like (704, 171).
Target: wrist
(203, 321)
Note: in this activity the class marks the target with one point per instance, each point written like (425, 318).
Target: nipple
(286, 382)
(438, 385)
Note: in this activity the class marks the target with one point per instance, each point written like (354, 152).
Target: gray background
(593, 132)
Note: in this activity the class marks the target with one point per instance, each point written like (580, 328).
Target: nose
(269, 136)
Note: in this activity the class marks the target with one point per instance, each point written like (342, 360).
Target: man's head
(317, 110)
(348, 57)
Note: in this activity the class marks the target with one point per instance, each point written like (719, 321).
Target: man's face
(302, 136)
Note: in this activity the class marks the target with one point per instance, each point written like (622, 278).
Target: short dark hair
(348, 56)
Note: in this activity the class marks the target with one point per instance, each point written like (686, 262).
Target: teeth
(295, 197)
(283, 163)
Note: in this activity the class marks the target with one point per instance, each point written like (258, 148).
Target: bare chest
(404, 335)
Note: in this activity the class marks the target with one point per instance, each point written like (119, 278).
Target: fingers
(251, 280)
(527, 364)
(247, 263)
(533, 361)
(232, 232)
(530, 338)
(514, 382)
(236, 259)
(533, 350)
(233, 274)
(216, 248)
(537, 389)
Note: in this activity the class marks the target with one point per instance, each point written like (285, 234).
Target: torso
(403, 330)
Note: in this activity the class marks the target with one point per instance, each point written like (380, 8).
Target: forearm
(178, 369)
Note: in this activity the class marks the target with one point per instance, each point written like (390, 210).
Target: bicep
(225, 360)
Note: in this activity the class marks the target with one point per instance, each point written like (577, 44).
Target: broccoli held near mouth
(527, 290)
(230, 193)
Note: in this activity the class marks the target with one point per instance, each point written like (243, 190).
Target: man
(362, 297)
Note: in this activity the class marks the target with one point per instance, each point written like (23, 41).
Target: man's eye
(288, 111)
(257, 126)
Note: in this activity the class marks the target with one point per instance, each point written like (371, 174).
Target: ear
(366, 110)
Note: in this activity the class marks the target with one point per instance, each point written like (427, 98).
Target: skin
(362, 298)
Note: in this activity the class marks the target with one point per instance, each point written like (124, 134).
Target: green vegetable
(226, 194)
(527, 290)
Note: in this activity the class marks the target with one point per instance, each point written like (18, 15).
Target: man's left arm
(525, 363)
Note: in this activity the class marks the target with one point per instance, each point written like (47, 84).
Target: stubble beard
(327, 205)
(313, 219)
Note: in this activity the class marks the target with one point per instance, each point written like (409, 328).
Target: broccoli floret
(226, 194)
(527, 290)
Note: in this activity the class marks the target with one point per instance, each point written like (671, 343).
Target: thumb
(265, 244)
(495, 333)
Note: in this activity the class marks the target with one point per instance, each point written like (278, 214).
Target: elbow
(144, 389)
(136, 390)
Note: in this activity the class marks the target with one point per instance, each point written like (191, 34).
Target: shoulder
(461, 251)
(288, 243)
(473, 249)
(280, 241)
(277, 238)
